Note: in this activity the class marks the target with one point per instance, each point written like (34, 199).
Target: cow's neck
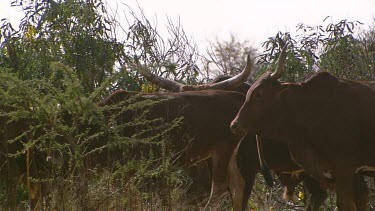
(292, 103)
(301, 105)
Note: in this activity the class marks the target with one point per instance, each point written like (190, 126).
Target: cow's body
(279, 160)
(327, 122)
(208, 123)
(206, 116)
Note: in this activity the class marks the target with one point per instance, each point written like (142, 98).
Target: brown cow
(206, 116)
(247, 157)
(214, 139)
(327, 122)
(211, 136)
(278, 156)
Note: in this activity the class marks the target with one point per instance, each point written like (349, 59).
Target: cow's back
(206, 117)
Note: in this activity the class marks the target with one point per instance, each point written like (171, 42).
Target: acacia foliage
(344, 49)
(54, 68)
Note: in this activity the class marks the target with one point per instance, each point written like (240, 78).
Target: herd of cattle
(321, 131)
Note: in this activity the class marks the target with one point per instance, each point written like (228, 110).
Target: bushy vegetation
(343, 49)
(57, 145)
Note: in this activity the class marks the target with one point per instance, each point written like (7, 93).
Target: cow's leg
(318, 195)
(219, 184)
(344, 189)
(361, 193)
(290, 182)
(240, 185)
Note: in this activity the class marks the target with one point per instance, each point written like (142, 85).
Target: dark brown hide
(206, 117)
(327, 122)
(278, 158)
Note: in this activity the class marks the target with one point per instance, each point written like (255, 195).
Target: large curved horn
(280, 64)
(173, 86)
(229, 84)
(169, 85)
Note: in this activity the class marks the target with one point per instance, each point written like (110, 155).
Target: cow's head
(261, 99)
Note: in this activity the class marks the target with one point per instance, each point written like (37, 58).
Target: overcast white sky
(253, 20)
